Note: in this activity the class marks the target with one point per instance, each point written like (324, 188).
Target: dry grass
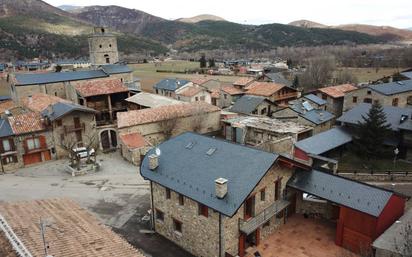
(371, 74)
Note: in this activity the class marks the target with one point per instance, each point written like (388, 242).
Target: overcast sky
(397, 13)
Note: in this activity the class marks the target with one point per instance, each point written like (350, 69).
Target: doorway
(249, 208)
(108, 140)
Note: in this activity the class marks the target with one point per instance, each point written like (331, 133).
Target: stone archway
(108, 139)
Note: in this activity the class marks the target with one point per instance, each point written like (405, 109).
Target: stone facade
(203, 96)
(56, 89)
(226, 100)
(333, 105)
(325, 210)
(133, 155)
(200, 234)
(367, 95)
(10, 160)
(103, 47)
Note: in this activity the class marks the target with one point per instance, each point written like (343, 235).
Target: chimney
(221, 187)
(153, 161)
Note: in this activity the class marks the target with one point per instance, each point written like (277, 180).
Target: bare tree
(345, 76)
(168, 126)
(198, 119)
(70, 143)
(319, 72)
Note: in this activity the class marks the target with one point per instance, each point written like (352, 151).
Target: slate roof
(315, 116)
(317, 100)
(324, 141)
(116, 69)
(23, 79)
(152, 100)
(73, 231)
(355, 195)
(393, 115)
(407, 74)
(4, 98)
(144, 116)
(242, 166)
(26, 123)
(100, 87)
(247, 104)
(61, 109)
(171, 84)
(263, 88)
(337, 91)
(5, 128)
(393, 88)
(278, 78)
(40, 101)
(133, 140)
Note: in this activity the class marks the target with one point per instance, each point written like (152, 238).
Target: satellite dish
(158, 152)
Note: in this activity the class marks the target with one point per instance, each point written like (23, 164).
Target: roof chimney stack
(153, 161)
(221, 187)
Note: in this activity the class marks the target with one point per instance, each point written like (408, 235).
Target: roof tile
(263, 88)
(133, 140)
(26, 123)
(39, 101)
(338, 91)
(100, 87)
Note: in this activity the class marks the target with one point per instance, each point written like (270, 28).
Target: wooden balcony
(252, 224)
(70, 129)
(286, 96)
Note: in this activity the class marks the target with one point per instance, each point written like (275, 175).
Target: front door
(105, 139)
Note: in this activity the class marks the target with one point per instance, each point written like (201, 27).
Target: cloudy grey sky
(397, 13)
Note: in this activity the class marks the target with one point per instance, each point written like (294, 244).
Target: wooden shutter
(42, 140)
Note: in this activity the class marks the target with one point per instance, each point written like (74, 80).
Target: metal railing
(252, 224)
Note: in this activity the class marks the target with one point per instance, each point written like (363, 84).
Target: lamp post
(396, 152)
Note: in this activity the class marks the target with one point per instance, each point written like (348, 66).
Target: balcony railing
(252, 224)
(69, 129)
(286, 96)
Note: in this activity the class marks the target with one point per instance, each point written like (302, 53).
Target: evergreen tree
(295, 83)
(203, 62)
(371, 133)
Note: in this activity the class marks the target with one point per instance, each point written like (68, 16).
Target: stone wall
(325, 210)
(333, 105)
(99, 46)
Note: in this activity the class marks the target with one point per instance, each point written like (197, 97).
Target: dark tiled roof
(355, 195)
(393, 87)
(5, 128)
(315, 99)
(61, 109)
(324, 141)
(393, 115)
(247, 104)
(187, 168)
(318, 116)
(407, 74)
(278, 78)
(54, 77)
(116, 69)
(171, 84)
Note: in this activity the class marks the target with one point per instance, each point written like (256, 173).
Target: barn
(362, 212)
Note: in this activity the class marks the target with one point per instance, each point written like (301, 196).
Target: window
(395, 102)
(6, 145)
(324, 96)
(9, 159)
(263, 111)
(369, 92)
(367, 100)
(100, 46)
(225, 96)
(33, 143)
(196, 98)
(59, 123)
(167, 193)
(203, 210)
(354, 99)
(177, 226)
(110, 45)
(181, 200)
(160, 215)
(263, 194)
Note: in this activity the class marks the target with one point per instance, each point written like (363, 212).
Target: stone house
(133, 147)
(277, 93)
(34, 142)
(317, 102)
(207, 83)
(395, 93)
(303, 112)
(243, 82)
(168, 87)
(229, 95)
(256, 105)
(265, 133)
(8, 149)
(192, 93)
(334, 96)
(51, 83)
(103, 47)
(157, 124)
(226, 199)
(144, 100)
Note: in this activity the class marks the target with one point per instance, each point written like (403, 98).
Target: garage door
(354, 240)
(31, 158)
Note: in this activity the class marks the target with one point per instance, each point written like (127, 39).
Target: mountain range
(30, 28)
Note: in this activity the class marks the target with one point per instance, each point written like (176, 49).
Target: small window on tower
(102, 30)
(110, 45)
(100, 46)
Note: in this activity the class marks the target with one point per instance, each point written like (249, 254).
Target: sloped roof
(26, 123)
(7, 105)
(189, 91)
(393, 115)
(171, 84)
(115, 68)
(215, 93)
(337, 91)
(74, 231)
(407, 74)
(308, 112)
(152, 100)
(244, 81)
(247, 104)
(23, 79)
(4, 98)
(324, 141)
(200, 81)
(61, 109)
(5, 128)
(40, 101)
(278, 78)
(393, 88)
(133, 140)
(231, 90)
(242, 166)
(315, 99)
(100, 87)
(263, 88)
(138, 117)
(355, 195)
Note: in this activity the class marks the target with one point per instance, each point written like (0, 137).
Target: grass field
(349, 162)
(371, 74)
(148, 75)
